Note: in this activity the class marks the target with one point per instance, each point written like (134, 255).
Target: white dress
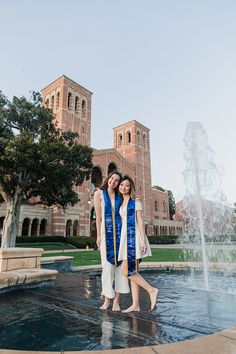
(110, 273)
(138, 239)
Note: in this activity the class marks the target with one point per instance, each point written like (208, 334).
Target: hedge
(81, 241)
(162, 239)
(77, 241)
(32, 239)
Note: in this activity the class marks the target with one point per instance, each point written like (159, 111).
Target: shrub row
(76, 241)
(36, 239)
(81, 241)
(162, 239)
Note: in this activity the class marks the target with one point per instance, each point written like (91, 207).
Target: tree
(39, 164)
(159, 188)
(171, 200)
(171, 204)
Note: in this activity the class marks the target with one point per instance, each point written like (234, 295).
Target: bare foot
(132, 308)
(105, 306)
(116, 306)
(153, 298)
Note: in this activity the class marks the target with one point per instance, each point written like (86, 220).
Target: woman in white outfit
(134, 244)
(107, 203)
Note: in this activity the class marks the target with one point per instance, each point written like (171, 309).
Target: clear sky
(163, 63)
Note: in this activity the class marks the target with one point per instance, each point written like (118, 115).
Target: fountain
(207, 215)
(66, 317)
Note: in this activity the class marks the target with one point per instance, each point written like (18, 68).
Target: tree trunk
(10, 225)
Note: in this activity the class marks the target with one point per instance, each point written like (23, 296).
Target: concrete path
(170, 246)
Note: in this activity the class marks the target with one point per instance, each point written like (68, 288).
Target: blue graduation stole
(131, 242)
(112, 227)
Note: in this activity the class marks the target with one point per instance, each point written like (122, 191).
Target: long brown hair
(132, 185)
(104, 184)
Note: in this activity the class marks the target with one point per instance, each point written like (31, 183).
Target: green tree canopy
(171, 204)
(39, 163)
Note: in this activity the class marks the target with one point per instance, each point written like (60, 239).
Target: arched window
(144, 140)
(155, 205)
(146, 229)
(96, 176)
(52, 102)
(47, 103)
(25, 227)
(69, 100)
(68, 228)
(34, 227)
(58, 100)
(119, 140)
(76, 228)
(163, 207)
(92, 214)
(128, 137)
(93, 230)
(76, 104)
(138, 137)
(43, 226)
(82, 129)
(1, 224)
(112, 167)
(83, 109)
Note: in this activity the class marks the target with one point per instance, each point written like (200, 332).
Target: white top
(138, 239)
(103, 238)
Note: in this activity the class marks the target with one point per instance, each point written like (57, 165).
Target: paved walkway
(170, 246)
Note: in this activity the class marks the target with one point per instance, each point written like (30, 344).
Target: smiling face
(113, 181)
(124, 187)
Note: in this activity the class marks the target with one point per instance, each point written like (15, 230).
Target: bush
(81, 241)
(233, 238)
(77, 241)
(153, 240)
(36, 239)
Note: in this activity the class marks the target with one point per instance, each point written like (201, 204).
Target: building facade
(71, 104)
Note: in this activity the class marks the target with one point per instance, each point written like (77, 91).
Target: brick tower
(71, 105)
(132, 141)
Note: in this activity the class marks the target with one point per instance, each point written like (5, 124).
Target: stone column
(38, 228)
(30, 227)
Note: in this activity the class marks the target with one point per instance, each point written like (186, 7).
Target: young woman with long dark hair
(134, 244)
(107, 202)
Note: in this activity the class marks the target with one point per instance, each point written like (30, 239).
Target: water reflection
(129, 329)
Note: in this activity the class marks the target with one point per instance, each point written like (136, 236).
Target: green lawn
(93, 257)
(158, 255)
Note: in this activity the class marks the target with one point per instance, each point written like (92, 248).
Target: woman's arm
(97, 207)
(139, 218)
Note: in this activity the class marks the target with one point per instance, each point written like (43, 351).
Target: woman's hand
(99, 241)
(143, 248)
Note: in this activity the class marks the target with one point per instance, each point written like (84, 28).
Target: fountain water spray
(203, 208)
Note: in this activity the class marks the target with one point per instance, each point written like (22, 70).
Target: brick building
(217, 218)
(71, 104)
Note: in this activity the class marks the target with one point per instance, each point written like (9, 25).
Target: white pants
(111, 274)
